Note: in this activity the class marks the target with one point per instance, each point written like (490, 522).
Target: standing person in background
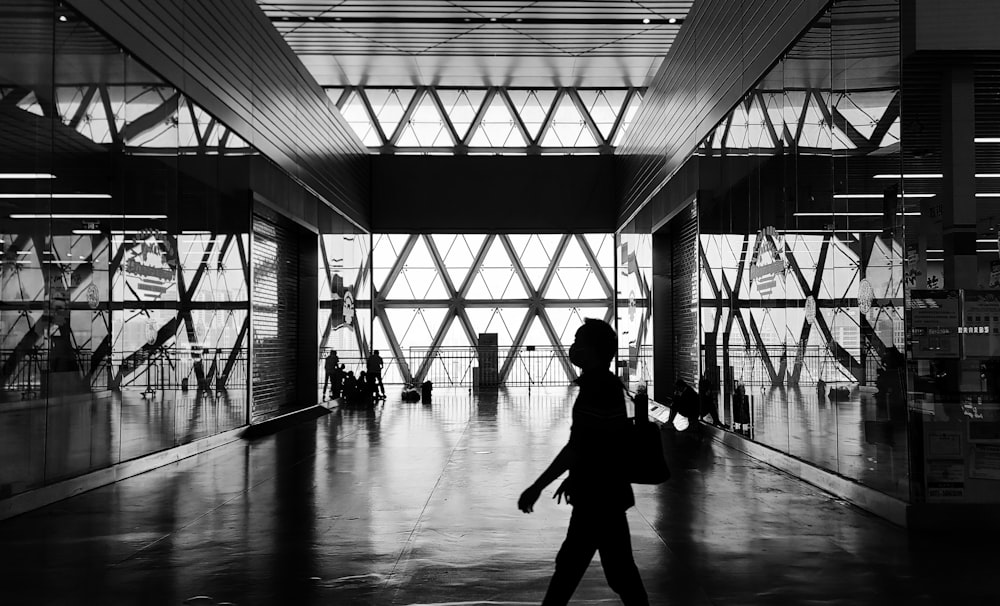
(598, 487)
(374, 368)
(330, 367)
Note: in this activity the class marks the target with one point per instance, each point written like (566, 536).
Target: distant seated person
(363, 395)
(685, 402)
(350, 387)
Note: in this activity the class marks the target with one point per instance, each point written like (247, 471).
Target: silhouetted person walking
(597, 487)
(374, 368)
(331, 364)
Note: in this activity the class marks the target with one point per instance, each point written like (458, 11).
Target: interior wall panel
(228, 57)
(724, 47)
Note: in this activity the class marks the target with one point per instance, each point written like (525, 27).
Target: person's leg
(573, 559)
(616, 559)
(378, 381)
(326, 381)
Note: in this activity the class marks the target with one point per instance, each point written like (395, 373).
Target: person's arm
(559, 466)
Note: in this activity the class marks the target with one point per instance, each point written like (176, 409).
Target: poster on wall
(984, 462)
(934, 321)
(945, 479)
(149, 266)
(980, 327)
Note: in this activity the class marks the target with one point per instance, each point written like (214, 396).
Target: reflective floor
(849, 434)
(415, 504)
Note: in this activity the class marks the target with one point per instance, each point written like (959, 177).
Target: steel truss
(151, 117)
(494, 120)
(809, 121)
(455, 300)
(731, 296)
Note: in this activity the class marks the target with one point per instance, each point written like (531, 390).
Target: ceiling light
(879, 196)
(672, 20)
(87, 232)
(63, 18)
(910, 176)
(988, 195)
(931, 260)
(493, 19)
(646, 20)
(87, 216)
(934, 250)
(57, 196)
(27, 176)
(987, 139)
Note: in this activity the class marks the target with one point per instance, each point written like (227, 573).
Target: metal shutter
(684, 271)
(275, 256)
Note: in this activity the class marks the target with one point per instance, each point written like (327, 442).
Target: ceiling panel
(485, 43)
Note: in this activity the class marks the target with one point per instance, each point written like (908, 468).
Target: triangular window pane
(758, 136)
(30, 104)
(426, 127)
(864, 109)
(461, 107)
(773, 105)
(389, 105)
(68, 100)
(416, 327)
(458, 254)
(792, 109)
(565, 321)
(356, 114)
(630, 113)
(187, 136)
(534, 258)
(841, 140)
(604, 106)
(738, 127)
(334, 94)
(815, 131)
(497, 128)
(532, 105)
(568, 128)
(456, 337)
(504, 321)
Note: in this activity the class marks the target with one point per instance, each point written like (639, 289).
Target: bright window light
(75, 216)
(57, 196)
(878, 196)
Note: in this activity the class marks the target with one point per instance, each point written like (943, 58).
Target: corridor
(415, 504)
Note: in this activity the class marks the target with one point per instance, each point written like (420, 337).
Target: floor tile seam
(416, 526)
(241, 494)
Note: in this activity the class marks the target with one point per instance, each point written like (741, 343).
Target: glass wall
(436, 293)
(125, 214)
(801, 236)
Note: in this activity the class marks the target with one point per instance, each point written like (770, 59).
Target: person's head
(376, 352)
(680, 385)
(594, 345)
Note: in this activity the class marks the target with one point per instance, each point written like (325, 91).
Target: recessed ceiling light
(646, 20)
(27, 176)
(671, 20)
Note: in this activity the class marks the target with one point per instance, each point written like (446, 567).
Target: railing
(524, 365)
(818, 363)
(164, 369)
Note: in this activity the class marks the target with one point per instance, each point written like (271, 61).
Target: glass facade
(436, 293)
(495, 120)
(125, 257)
(847, 260)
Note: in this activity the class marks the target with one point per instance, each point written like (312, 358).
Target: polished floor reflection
(415, 504)
(848, 432)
